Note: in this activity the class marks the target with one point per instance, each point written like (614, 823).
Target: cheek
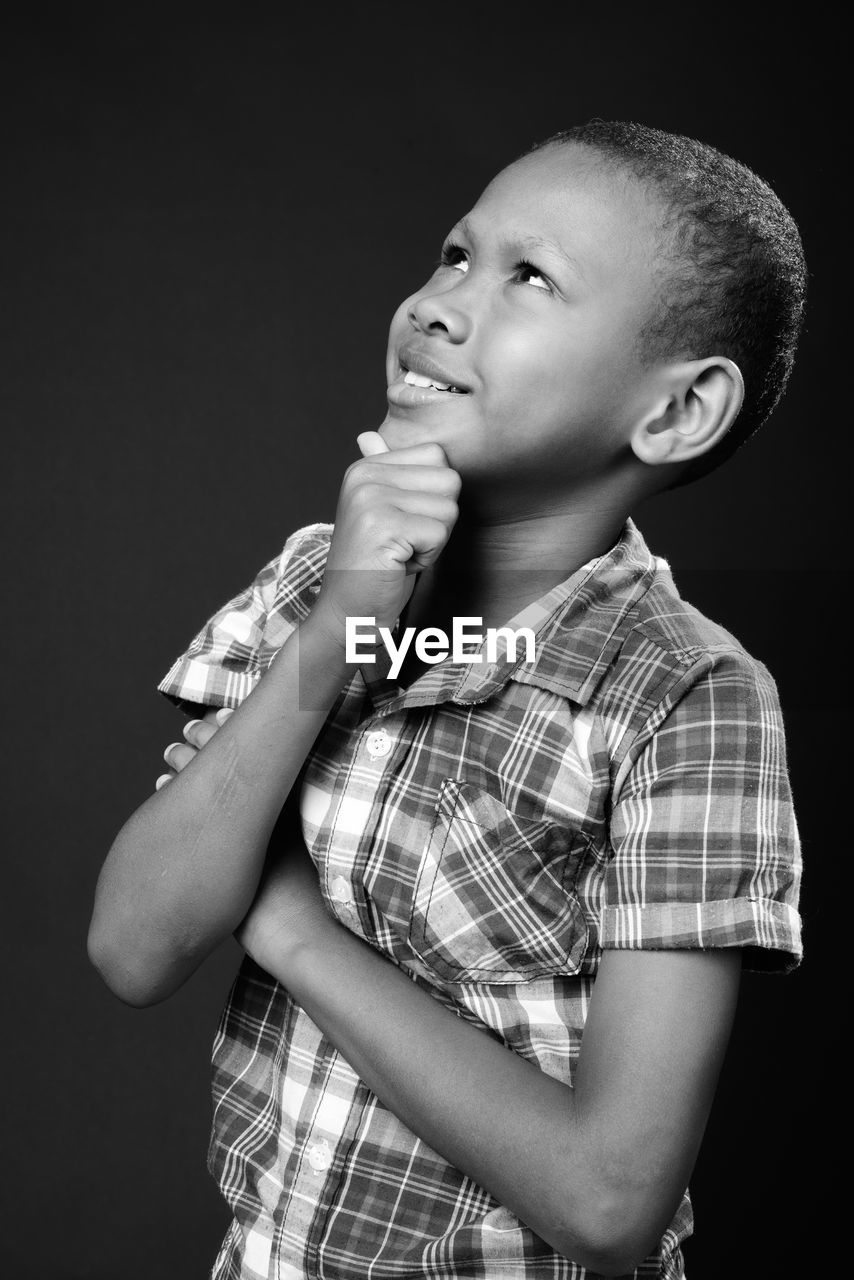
(521, 366)
(545, 378)
(588, 374)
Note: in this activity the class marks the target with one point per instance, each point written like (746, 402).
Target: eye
(453, 256)
(534, 275)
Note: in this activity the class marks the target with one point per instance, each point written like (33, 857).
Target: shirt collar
(578, 625)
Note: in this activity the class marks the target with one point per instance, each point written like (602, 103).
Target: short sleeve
(225, 660)
(704, 841)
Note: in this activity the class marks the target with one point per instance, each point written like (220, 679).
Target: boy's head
(732, 273)
(617, 299)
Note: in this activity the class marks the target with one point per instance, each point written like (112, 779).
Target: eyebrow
(527, 243)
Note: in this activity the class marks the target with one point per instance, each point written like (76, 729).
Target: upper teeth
(419, 380)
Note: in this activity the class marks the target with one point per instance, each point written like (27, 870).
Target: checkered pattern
(490, 829)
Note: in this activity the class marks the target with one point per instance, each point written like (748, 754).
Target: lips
(416, 362)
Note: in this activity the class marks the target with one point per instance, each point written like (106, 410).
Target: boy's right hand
(395, 513)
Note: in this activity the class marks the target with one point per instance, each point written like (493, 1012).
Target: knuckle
(444, 509)
(360, 472)
(368, 493)
(352, 475)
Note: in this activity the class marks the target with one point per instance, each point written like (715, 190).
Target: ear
(698, 405)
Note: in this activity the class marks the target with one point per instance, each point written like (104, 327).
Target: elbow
(614, 1255)
(610, 1251)
(117, 975)
(613, 1235)
(134, 983)
(141, 957)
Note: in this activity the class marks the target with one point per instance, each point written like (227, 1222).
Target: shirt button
(320, 1157)
(378, 744)
(339, 890)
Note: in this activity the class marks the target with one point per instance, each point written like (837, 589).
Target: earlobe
(702, 400)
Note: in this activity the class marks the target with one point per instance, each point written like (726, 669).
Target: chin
(409, 429)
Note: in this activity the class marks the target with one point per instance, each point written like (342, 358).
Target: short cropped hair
(735, 277)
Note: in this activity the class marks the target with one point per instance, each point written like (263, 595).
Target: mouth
(418, 370)
(418, 380)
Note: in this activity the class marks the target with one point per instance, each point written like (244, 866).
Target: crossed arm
(596, 1170)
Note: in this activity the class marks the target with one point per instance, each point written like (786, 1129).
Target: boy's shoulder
(624, 635)
(679, 628)
(670, 651)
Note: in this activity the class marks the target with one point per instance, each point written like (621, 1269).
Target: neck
(495, 564)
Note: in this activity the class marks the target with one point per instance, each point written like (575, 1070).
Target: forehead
(596, 212)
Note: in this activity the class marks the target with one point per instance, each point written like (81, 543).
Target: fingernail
(188, 726)
(223, 714)
(168, 749)
(162, 780)
(371, 442)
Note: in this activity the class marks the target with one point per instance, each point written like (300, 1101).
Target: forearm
(597, 1170)
(490, 1113)
(183, 870)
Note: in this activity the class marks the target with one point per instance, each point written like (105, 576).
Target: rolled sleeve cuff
(192, 682)
(770, 931)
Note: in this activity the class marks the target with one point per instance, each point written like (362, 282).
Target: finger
(438, 506)
(162, 780)
(178, 755)
(371, 442)
(426, 540)
(429, 453)
(198, 732)
(422, 479)
(223, 714)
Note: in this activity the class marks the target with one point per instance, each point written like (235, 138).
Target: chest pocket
(495, 898)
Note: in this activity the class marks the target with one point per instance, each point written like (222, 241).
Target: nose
(441, 312)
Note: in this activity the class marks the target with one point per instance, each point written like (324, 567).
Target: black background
(207, 224)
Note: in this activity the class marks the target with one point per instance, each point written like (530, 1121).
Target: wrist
(321, 666)
(289, 922)
(288, 953)
(327, 629)
(313, 961)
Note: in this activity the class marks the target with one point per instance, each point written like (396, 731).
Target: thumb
(371, 442)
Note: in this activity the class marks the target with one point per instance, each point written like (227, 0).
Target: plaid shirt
(490, 829)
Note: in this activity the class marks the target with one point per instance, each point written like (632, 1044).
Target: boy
(566, 857)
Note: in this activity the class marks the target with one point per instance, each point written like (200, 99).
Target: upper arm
(702, 877)
(704, 843)
(651, 1052)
